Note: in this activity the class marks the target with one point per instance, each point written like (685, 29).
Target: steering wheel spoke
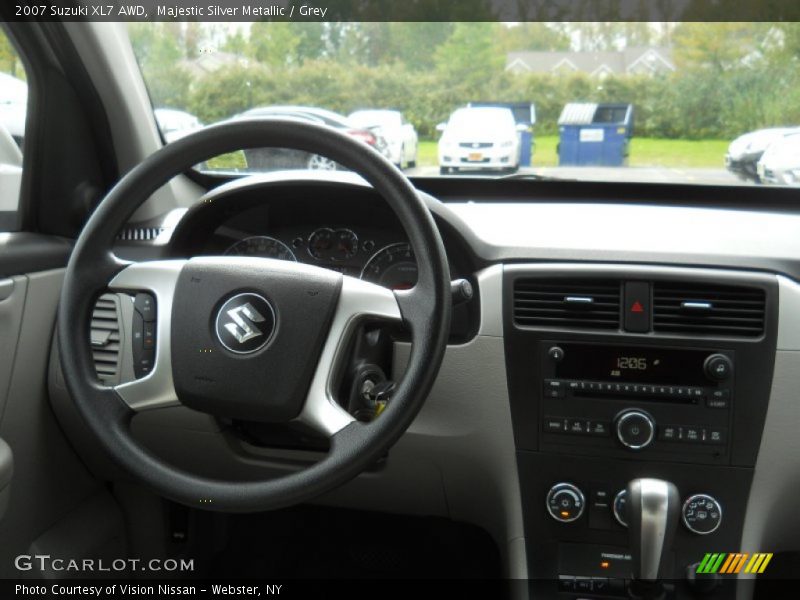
(156, 389)
(359, 301)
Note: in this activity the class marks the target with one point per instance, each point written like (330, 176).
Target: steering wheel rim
(424, 310)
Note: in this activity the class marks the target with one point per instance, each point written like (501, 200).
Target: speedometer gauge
(262, 246)
(393, 266)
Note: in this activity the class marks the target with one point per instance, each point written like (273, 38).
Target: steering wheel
(252, 338)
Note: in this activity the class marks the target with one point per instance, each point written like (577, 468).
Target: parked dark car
(270, 159)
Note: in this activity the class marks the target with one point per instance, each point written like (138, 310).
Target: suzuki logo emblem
(243, 326)
(245, 323)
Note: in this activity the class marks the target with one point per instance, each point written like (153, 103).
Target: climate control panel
(701, 513)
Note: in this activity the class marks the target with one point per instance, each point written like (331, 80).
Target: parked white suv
(479, 138)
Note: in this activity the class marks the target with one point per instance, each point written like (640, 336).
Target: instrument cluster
(369, 255)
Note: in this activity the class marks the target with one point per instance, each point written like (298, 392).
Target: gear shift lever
(652, 507)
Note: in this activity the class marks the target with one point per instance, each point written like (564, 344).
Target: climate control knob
(635, 429)
(702, 514)
(565, 502)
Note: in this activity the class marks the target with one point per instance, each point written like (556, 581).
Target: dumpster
(525, 116)
(594, 134)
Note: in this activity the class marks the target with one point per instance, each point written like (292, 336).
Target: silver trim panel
(358, 300)
(156, 389)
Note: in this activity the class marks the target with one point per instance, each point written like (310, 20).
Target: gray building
(631, 61)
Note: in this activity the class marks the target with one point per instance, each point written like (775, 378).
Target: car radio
(664, 400)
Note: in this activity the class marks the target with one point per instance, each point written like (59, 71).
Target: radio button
(554, 425)
(556, 354)
(553, 392)
(598, 428)
(693, 434)
(635, 429)
(668, 433)
(715, 435)
(577, 426)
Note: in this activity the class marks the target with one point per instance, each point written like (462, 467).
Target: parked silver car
(780, 163)
(400, 135)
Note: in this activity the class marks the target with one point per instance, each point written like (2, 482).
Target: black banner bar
(401, 10)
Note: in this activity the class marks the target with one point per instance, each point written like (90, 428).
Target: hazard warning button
(637, 306)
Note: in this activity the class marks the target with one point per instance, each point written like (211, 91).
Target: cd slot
(639, 397)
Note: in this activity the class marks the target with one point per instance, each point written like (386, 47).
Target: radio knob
(635, 429)
(718, 367)
(565, 502)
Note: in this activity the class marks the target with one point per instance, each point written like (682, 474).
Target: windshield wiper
(534, 177)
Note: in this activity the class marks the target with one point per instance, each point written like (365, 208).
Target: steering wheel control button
(718, 367)
(702, 514)
(637, 306)
(556, 354)
(143, 340)
(145, 305)
(565, 502)
(245, 323)
(635, 429)
(619, 507)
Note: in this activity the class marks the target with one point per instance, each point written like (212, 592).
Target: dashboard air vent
(139, 234)
(567, 303)
(105, 339)
(708, 309)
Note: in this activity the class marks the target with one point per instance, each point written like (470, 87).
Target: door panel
(50, 484)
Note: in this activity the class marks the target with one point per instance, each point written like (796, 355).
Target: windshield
(666, 102)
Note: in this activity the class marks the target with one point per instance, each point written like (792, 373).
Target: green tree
(274, 43)
(9, 59)
(469, 56)
(532, 36)
(717, 46)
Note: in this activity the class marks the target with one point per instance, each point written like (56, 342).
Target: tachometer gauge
(393, 266)
(262, 246)
(333, 244)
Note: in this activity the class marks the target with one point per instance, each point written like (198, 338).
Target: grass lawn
(645, 152)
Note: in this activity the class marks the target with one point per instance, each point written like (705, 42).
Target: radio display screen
(669, 366)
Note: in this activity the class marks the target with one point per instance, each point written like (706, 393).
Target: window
(13, 108)
(683, 109)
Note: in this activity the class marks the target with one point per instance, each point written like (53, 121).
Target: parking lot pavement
(627, 174)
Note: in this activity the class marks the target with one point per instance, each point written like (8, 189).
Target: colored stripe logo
(732, 563)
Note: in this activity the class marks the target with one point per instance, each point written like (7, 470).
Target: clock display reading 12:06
(638, 363)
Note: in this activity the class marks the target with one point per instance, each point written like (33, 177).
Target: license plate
(473, 156)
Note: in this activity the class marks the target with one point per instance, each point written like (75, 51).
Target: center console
(618, 374)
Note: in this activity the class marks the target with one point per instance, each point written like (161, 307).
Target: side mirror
(521, 127)
(441, 127)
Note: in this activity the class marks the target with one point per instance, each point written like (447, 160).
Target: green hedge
(687, 105)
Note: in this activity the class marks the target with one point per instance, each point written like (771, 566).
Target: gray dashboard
(435, 468)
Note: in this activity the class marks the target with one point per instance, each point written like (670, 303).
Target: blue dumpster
(525, 116)
(594, 134)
